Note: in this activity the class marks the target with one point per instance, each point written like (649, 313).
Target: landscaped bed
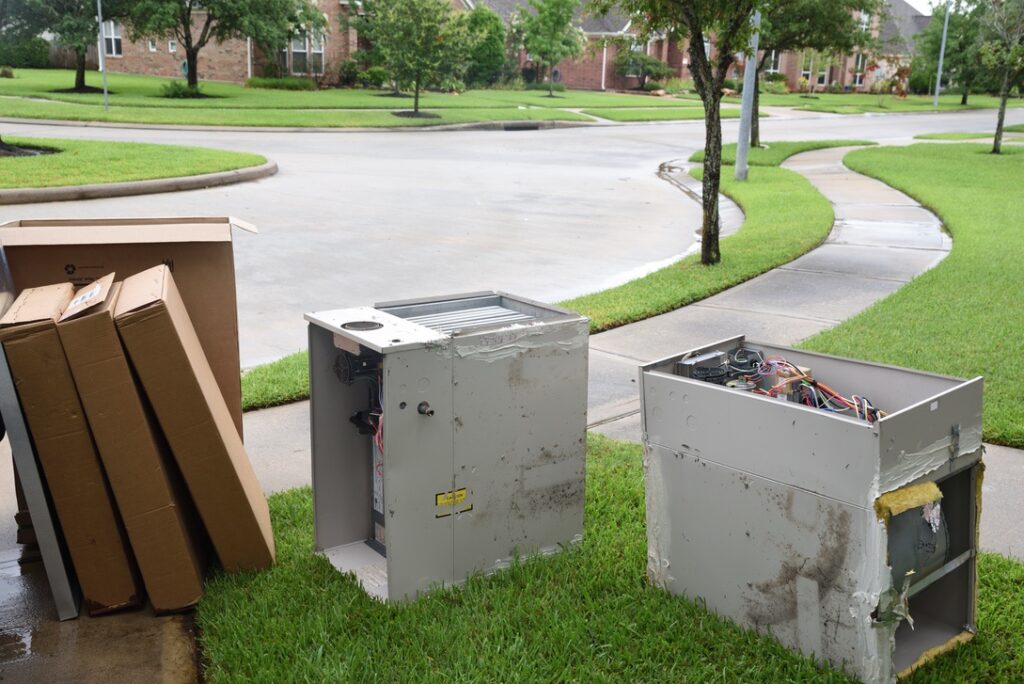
(963, 317)
(78, 162)
(585, 615)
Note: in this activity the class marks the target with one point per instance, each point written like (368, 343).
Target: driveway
(354, 218)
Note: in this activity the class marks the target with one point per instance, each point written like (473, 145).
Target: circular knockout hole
(362, 325)
(402, 405)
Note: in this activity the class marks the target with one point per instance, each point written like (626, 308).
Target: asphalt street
(358, 217)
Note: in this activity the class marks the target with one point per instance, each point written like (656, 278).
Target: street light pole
(102, 52)
(942, 55)
(749, 71)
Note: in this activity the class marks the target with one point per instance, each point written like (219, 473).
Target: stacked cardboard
(134, 436)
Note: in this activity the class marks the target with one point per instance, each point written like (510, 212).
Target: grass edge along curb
(287, 380)
(962, 317)
(587, 614)
(92, 162)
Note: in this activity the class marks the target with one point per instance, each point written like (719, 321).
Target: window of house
(316, 53)
(111, 39)
(860, 63)
(865, 21)
(172, 46)
(774, 59)
(300, 63)
(152, 45)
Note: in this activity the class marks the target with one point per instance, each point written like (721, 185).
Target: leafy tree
(961, 63)
(826, 26)
(1002, 50)
(729, 23)
(420, 42)
(194, 23)
(486, 34)
(11, 29)
(629, 62)
(549, 34)
(73, 25)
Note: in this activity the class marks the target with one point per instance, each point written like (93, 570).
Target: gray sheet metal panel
(417, 467)
(520, 451)
(56, 561)
(784, 559)
(824, 452)
(341, 456)
(918, 439)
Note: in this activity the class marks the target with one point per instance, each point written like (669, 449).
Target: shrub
(834, 87)
(486, 47)
(676, 86)
(651, 86)
(558, 87)
(643, 66)
(180, 90)
(348, 73)
(32, 53)
(282, 83)
(774, 78)
(733, 84)
(6, 72)
(374, 77)
(775, 88)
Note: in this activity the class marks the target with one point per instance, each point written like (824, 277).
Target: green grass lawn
(81, 162)
(773, 154)
(964, 317)
(1019, 128)
(585, 615)
(785, 217)
(859, 103)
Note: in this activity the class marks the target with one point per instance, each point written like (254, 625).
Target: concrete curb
(146, 187)
(525, 125)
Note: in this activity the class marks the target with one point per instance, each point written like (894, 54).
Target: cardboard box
(70, 464)
(197, 250)
(165, 351)
(158, 515)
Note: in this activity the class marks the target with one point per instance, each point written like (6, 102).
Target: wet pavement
(125, 647)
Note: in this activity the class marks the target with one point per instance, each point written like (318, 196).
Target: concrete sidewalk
(881, 240)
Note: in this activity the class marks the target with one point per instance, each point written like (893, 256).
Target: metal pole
(942, 55)
(102, 52)
(747, 112)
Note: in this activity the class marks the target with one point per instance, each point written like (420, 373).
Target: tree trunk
(963, 96)
(416, 96)
(1004, 94)
(192, 60)
(755, 120)
(80, 70)
(709, 251)
(551, 84)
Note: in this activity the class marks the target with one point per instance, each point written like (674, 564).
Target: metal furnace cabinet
(822, 527)
(448, 436)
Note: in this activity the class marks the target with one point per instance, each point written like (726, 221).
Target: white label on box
(91, 293)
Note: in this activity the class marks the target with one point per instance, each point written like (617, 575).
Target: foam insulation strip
(902, 500)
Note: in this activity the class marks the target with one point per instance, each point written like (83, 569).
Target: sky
(922, 6)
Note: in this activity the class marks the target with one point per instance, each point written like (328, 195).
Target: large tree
(73, 25)
(828, 26)
(728, 24)
(1002, 50)
(11, 29)
(487, 36)
(961, 63)
(194, 23)
(421, 43)
(550, 36)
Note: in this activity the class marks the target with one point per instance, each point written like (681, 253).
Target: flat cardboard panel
(155, 508)
(165, 351)
(74, 476)
(80, 251)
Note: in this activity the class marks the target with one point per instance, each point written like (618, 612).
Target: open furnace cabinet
(448, 436)
(821, 526)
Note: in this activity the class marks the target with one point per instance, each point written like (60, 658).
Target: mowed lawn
(860, 103)
(965, 317)
(78, 162)
(585, 615)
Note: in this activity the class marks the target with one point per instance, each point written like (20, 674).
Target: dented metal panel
(482, 423)
(766, 508)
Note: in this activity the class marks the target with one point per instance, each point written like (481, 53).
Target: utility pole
(749, 71)
(942, 55)
(102, 51)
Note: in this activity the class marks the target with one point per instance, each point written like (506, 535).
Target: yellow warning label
(450, 498)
